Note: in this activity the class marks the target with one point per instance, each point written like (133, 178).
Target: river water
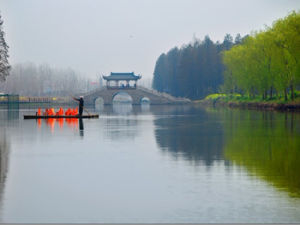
(151, 164)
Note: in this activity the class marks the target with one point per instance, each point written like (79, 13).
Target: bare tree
(43, 80)
(4, 64)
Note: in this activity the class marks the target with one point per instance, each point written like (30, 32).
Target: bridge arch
(122, 97)
(145, 100)
(99, 101)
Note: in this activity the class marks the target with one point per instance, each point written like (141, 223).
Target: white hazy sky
(99, 36)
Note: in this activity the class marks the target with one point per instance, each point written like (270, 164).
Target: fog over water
(96, 37)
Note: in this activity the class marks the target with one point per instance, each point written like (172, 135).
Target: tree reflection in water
(122, 108)
(267, 144)
(6, 117)
(4, 160)
(192, 134)
(121, 128)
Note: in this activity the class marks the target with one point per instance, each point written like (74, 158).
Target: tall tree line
(43, 80)
(4, 64)
(194, 70)
(267, 62)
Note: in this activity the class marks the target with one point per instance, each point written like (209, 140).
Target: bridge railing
(163, 94)
(91, 92)
(150, 91)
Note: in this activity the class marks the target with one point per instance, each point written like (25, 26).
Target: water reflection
(267, 144)
(8, 114)
(71, 123)
(121, 128)
(197, 137)
(125, 109)
(81, 127)
(4, 161)
(122, 108)
(145, 107)
(177, 164)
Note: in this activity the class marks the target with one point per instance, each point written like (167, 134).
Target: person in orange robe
(39, 112)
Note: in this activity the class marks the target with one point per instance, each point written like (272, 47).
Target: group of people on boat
(60, 112)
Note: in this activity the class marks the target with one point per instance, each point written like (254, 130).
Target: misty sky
(96, 36)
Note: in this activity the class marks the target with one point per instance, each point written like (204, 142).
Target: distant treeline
(32, 80)
(266, 62)
(194, 70)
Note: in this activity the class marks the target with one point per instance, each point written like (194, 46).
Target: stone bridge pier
(137, 94)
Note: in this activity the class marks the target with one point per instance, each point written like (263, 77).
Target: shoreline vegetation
(260, 70)
(239, 101)
(263, 71)
(266, 63)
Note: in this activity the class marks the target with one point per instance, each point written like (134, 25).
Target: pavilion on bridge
(121, 80)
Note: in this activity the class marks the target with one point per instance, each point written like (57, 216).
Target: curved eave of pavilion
(121, 78)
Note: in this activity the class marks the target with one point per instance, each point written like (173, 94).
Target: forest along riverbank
(238, 101)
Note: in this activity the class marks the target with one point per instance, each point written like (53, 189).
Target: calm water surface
(158, 164)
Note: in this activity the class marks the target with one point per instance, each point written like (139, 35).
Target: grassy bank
(237, 100)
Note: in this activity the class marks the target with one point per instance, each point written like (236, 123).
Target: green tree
(266, 62)
(160, 73)
(193, 71)
(287, 38)
(238, 39)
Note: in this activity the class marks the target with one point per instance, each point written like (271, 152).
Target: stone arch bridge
(137, 94)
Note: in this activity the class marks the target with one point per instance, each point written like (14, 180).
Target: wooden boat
(58, 117)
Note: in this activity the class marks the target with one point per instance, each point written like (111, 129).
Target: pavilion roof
(122, 76)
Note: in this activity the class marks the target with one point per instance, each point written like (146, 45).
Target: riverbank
(238, 101)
